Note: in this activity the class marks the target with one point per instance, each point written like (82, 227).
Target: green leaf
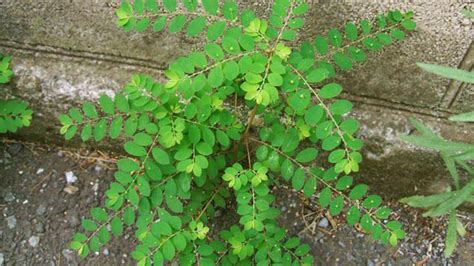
(214, 51)
(373, 201)
(314, 115)
(341, 107)
(116, 226)
(204, 148)
(247, 42)
(336, 156)
(107, 104)
(127, 165)
(275, 79)
(325, 197)
(196, 26)
(216, 30)
(179, 242)
(159, 24)
(322, 45)
(458, 198)
(151, 5)
(317, 75)
(343, 61)
(330, 90)
(216, 77)
(116, 127)
(335, 37)
(353, 215)
(65, 120)
(143, 139)
(160, 156)
(344, 183)
(468, 13)
(231, 70)
(133, 197)
(357, 54)
(337, 205)
(89, 110)
(310, 187)
(307, 155)
(70, 133)
(89, 225)
(366, 26)
(174, 204)
(451, 235)
(331, 142)
(448, 72)
(168, 250)
(298, 179)
(99, 214)
(292, 243)
(222, 138)
(398, 34)
(170, 5)
(100, 130)
(465, 117)
(302, 250)
(350, 126)
(177, 23)
(158, 258)
(133, 149)
(409, 24)
(143, 186)
(129, 216)
(358, 191)
(211, 6)
(287, 169)
(76, 114)
(142, 25)
(198, 59)
(230, 10)
(351, 31)
(231, 45)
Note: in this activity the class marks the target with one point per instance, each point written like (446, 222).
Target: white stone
(70, 177)
(34, 241)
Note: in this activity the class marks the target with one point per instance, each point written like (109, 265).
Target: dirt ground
(40, 212)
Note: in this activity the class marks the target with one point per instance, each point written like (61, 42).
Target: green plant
(250, 112)
(14, 114)
(454, 154)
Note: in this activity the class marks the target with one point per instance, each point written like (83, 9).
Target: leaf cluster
(14, 114)
(248, 112)
(455, 155)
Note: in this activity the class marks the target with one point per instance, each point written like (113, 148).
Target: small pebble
(39, 227)
(41, 210)
(2, 259)
(34, 241)
(11, 222)
(71, 189)
(97, 168)
(106, 252)
(70, 177)
(15, 148)
(9, 197)
(370, 263)
(40, 171)
(68, 255)
(323, 222)
(95, 187)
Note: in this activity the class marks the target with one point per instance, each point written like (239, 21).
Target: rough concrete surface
(66, 52)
